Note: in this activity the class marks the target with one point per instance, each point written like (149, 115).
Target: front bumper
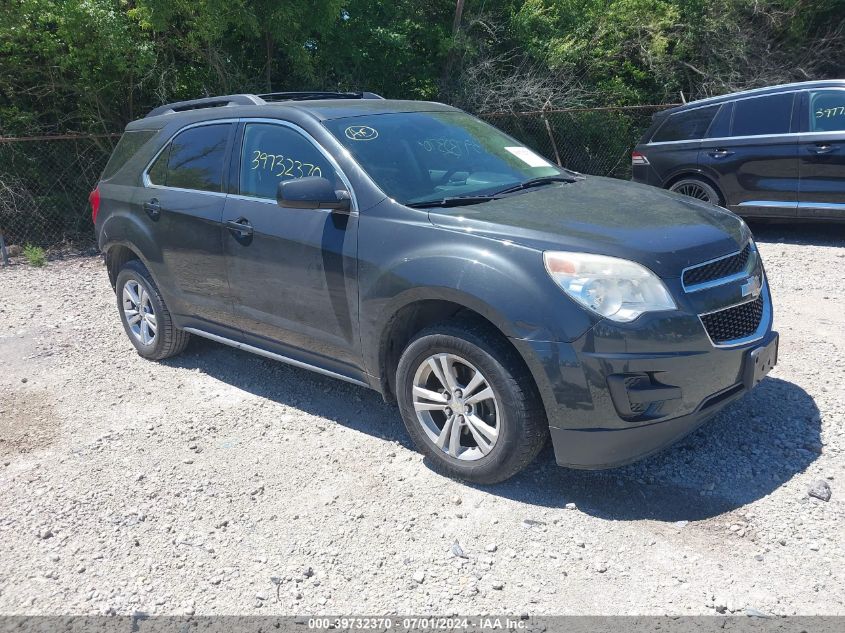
(624, 391)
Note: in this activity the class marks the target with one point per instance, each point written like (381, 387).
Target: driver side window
(273, 153)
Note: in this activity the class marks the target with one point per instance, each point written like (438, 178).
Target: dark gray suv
(774, 152)
(414, 249)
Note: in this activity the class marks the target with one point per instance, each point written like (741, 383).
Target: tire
(166, 340)
(514, 411)
(699, 189)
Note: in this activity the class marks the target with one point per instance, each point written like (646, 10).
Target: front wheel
(469, 403)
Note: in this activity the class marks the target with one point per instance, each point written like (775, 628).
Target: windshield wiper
(536, 182)
(453, 201)
(456, 201)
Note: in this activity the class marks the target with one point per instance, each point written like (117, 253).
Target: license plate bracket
(760, 362)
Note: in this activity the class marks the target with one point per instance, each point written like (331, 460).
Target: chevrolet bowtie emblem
(752, 287)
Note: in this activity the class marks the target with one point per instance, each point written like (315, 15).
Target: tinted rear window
(686, 125)
(196, 158)
(762, 115)
(721, 125)
(126, 148)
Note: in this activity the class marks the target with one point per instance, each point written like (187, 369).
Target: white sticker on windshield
(528, 157)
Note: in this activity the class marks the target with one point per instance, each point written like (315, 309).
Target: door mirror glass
(311, 192)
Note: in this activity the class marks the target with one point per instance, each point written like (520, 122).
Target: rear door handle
(821, 148)
(720, 153)
(153, 209)
(240, 227)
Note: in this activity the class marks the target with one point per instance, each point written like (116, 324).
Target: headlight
(614, 288)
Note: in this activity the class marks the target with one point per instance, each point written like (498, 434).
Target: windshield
(418, 157)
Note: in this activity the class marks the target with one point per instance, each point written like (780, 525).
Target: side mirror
(312, 192)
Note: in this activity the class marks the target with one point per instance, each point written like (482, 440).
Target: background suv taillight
(94, 199)
(638, 158)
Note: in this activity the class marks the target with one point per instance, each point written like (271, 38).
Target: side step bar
(278, 357)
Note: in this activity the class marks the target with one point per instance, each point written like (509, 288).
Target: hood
(664, 231)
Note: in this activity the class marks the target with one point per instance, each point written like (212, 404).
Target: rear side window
(827, 111)
(126, 148)
(193, 160)
(656, 121)
(157, 173)
(762, 115)
(272, 153)
(686, 125)
(721, 125)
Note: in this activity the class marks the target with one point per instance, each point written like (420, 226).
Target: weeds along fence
(45, 180)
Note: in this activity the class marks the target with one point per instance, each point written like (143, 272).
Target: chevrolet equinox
(414, 249)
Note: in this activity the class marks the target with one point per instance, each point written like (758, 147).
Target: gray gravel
(220, 482)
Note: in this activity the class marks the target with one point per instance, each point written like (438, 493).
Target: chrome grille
(735, 323)
(717, 269)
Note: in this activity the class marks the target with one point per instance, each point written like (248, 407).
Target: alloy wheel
(695, 190)
(139, 312)
(456, 407)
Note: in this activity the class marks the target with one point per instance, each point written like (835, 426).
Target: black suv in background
(769, 153)
(414, 249)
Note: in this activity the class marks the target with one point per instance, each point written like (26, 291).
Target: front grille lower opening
(734, 323)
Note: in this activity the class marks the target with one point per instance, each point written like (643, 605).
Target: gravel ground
(223, 483)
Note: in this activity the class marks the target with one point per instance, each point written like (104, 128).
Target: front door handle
(153, 209)
(240, 227)
(720, 153)
(821, 148)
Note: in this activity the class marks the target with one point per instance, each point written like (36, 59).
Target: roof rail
(797, 84)
(207, 102)
(307, 95)
(247, 99)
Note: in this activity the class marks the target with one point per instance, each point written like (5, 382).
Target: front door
(822, 156)
(182, 206)
(756, 165)
(292, 272)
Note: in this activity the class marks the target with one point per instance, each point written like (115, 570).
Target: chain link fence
(45, 181)
(595, 141)
(44, 187)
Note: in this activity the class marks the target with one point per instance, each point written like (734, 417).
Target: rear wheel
(145, 316)
(469, 404)
(698, 189)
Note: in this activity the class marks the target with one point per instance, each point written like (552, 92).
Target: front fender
(506, 283)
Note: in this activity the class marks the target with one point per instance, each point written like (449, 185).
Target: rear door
(182, 203)
(293, 272)
(822, 155)
(756, 164)
(673, 149)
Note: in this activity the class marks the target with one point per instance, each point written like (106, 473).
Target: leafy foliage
(92, 65)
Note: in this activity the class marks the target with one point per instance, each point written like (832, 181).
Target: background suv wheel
(145, 316)
(698, 189)
(469, 403)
